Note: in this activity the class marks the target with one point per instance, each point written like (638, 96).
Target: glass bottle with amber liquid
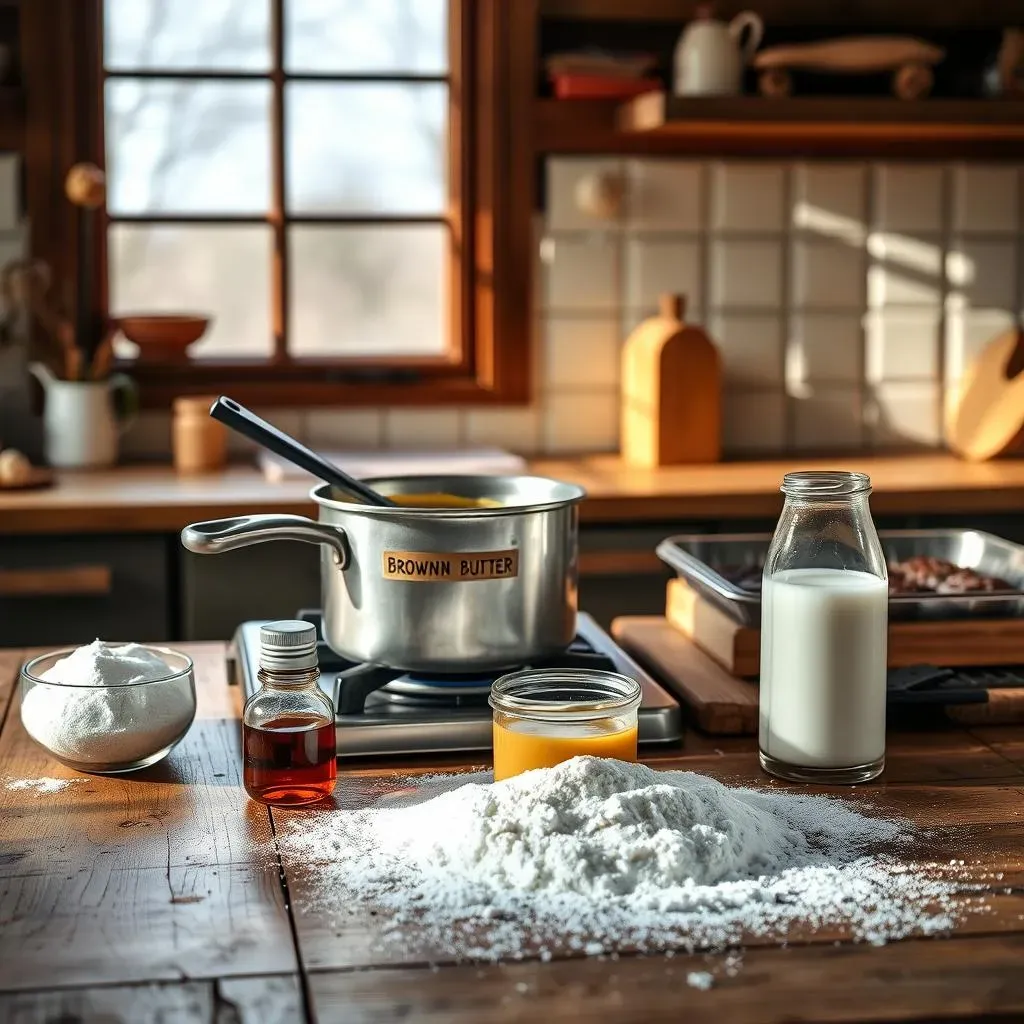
(288, 740)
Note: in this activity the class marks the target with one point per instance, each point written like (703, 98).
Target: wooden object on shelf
(671, 392)
(717, 702)
(985, 418)
(947, 642)
(909, 59)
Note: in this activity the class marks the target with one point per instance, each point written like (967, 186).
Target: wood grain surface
(160, 896)
(161, 874)
(949, 642)
(140, 499)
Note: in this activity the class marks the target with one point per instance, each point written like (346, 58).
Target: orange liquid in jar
(521, 745)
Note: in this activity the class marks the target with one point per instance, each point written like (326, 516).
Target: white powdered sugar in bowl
(108, 707)
(595, 855)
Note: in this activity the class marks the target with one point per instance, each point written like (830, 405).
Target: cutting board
(722, 704)
(949, 642)
(985, 419)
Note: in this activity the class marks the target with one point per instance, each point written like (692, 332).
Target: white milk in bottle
(824, 619)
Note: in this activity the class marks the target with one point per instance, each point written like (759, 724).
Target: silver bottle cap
(288, 644)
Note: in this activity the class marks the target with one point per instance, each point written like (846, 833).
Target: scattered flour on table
(101, 717)
(44, 785)
(597, 854)
(700, 979)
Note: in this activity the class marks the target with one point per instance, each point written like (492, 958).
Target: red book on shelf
(596, 87)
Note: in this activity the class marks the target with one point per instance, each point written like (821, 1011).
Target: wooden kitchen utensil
(949, 642)
(985, 418)
(910, 59)
(671, 392)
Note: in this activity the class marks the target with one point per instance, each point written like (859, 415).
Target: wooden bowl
(163, 338)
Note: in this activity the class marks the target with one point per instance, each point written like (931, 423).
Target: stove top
(380, 710)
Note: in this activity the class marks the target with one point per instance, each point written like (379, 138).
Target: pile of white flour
(101, 718)
(596, 854)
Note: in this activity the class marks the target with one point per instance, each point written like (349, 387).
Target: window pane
(222, 272)
(188, 147)
(223, 34)
(360, 291)
(366, 35)
(366, 148)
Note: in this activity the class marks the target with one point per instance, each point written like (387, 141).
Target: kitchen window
(327, 179)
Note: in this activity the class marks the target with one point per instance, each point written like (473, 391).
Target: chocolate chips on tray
(920, 574)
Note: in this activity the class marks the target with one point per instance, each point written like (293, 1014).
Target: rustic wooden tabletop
(162, 896)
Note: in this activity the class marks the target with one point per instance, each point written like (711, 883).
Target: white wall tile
(581, 273)
(291, 421)
(751, 348)
(566, 176)
(149, 437)
(902, 344)
(904, 415)
(825, 346)
(341, 429)
(655, 266)
(516, 429)
(10, 192)
(985, 198)
(747, 196)
(421, 429)
(826, 419)
(908, 197)
(830, 200)
(580, 422)
(905, 271)
(982, 274)
(746, 273)
(753, 422)
(827, 274)
(581, 353)
(967, 333)
(664, 195)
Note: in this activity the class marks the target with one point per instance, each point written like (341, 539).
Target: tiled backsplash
(846, 299)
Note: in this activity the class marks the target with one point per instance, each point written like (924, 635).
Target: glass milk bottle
(824, 618)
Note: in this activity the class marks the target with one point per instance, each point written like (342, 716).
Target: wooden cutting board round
(986, 419)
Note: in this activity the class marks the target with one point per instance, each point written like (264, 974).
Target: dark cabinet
(71, 590)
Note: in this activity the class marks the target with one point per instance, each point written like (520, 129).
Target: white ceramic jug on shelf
(709, 57)
(79, 425)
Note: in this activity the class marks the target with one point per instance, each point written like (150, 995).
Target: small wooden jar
(200, 443)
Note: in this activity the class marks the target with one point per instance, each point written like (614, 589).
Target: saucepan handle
(218, 535)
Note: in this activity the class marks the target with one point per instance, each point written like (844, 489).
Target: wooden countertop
(163, 895)
(154, 499)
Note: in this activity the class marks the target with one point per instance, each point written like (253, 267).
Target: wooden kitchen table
(161, 896)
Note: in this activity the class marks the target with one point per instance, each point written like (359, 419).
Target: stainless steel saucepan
(435, 589)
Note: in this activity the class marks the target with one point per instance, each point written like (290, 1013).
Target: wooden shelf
(795, 126)
(955, 15)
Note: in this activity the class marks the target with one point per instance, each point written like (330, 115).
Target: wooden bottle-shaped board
(986, 419)
(671, 392)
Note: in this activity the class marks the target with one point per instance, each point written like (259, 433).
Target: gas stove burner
(440, 687)
(429, 698)
(380, 710)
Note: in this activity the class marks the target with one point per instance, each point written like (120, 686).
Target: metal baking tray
(699, 558)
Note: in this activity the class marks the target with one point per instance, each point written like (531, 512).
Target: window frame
(489, 360)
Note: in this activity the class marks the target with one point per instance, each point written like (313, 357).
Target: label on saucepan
(458, 567)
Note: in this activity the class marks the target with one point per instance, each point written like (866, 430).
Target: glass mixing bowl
(108, 729)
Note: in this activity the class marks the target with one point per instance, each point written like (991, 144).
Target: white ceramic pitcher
(79, 425)
(709, 57)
